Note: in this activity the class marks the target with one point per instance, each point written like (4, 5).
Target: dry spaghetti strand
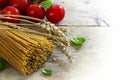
(26, 52)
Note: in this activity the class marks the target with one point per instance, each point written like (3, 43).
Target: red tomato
(29, 1)
(35, 10)
(55, 13)
(3, 3)
(19, 4)
(10, 10)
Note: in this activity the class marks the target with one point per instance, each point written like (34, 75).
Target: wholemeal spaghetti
(26, 52)
(27, 45)
(44, 28)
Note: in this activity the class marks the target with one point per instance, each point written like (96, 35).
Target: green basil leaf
(78, 41)
(81, 39)
(46, 4)
(47, 71)
(2, 65)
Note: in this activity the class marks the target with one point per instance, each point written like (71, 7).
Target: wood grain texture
(82, 12)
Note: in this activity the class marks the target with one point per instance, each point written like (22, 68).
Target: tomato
(19, 4)
(29, 1)
(3, 3)
(55, 13)
(35, 10)
(10, 10)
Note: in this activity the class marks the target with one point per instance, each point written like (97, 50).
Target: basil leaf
(78, 41)
(2, 65)
(47, 71)
(46, 4)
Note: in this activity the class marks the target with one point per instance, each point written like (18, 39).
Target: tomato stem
(34, 1)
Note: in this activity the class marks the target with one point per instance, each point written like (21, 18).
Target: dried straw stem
(47, 26)
(49, 30)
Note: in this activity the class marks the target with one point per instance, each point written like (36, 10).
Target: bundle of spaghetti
(25, 52)
(43, 28)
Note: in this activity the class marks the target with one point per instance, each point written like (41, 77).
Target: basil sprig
(47, 71)
(2, 65)
(46, 4)
(78, 40)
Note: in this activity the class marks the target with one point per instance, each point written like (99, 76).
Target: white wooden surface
(97, 59)
(83, 12)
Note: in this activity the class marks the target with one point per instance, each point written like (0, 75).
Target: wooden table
(82, 13)
(96, 59)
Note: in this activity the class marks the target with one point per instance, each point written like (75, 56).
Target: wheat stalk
(49, 30)
(46, 26)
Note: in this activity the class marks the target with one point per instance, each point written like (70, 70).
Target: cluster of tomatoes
(53, 14)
